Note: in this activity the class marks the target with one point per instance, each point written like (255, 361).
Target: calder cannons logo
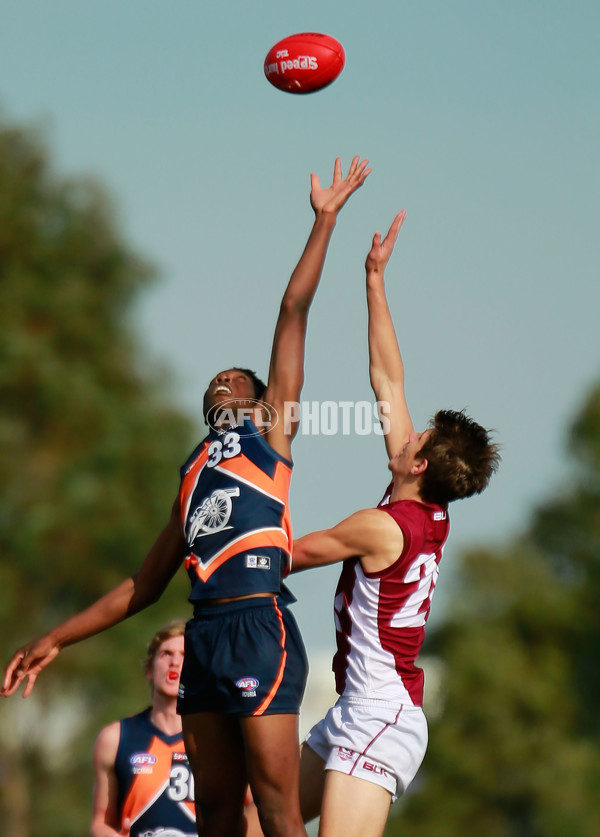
(232, 413)
(213, 513)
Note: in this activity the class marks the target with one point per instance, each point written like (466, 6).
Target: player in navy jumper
(368, 748)
(143, 783)
(235, 731)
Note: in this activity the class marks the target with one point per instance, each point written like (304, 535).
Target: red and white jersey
(380, 617)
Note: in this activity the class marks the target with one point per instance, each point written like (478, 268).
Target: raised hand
(380, 252)
(331, 200)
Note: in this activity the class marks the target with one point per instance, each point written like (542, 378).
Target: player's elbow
(145, 593)
(310, 551)
(294, 306)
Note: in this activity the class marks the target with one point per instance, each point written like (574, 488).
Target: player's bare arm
(105, 818)
(129, 597)
(386, 368)
(286, 370)
(370, 535)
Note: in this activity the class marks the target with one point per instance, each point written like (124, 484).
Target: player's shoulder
(376, 523)
(372, 516)
(414, 509)
(420, 522)
(107, 743)
(383, 540)
(110, 730)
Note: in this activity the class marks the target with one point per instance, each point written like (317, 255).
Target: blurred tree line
(515, 750)
(89, 456)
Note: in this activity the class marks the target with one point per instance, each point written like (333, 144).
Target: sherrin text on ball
(304, 63)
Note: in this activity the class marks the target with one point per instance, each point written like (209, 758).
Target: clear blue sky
(481, 118)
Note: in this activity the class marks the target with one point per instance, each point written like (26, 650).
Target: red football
(304, 62)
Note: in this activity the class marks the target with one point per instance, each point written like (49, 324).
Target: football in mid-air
(304, 63)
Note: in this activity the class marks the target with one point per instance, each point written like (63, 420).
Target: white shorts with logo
(372, 740)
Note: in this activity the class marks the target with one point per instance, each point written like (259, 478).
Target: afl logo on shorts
(247, 686)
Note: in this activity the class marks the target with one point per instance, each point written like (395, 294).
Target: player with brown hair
(368, 748)
(142, 779)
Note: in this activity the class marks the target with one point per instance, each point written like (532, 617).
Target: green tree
(89, 451)
(568, 532)
(515, 751)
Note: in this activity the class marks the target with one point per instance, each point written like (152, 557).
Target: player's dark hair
(174, 628)
(259, 388)
(460, 458)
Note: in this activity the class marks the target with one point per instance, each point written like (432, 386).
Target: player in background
(245, 665)
(142, 780)
(368, 748)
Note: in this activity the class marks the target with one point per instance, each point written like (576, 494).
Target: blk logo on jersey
(374, 768)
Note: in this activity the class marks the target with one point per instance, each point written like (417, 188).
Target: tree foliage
(516, 750)
(89, 452)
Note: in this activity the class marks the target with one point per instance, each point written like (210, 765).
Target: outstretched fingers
(332, 199)
(381, 251)
(394, 229)
(31, 678)
(26, 664)
(337, 170)
(358, 171)
(12, 675)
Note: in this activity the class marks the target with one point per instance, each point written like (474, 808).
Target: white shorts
(371, 740)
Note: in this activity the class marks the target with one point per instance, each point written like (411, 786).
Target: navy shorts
(243, 658)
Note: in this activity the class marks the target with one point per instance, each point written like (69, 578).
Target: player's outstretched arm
(370, 535)
(129, 597)
(286, 370)
(386, 368)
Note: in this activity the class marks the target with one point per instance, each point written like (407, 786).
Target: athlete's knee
(278, 819)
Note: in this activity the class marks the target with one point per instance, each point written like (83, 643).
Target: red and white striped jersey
(380, 617)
